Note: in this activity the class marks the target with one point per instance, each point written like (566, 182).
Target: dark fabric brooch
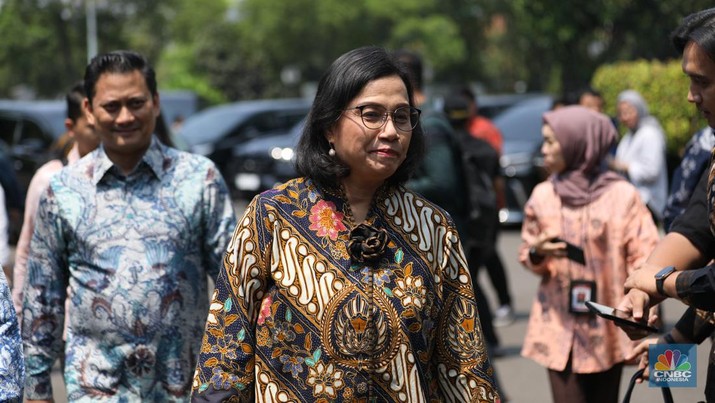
(367, 243)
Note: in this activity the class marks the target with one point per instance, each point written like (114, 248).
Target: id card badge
(580, 292)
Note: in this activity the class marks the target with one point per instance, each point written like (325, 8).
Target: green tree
(44, 41)
(238, 49)
(663, 86)
(562, 43)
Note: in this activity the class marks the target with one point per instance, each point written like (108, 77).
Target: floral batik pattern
(310, 307)
(12, 365)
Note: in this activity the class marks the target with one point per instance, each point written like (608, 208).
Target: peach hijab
(585, 137)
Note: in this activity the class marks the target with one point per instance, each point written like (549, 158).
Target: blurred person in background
(481, 167)
(586, 205)
(441, 177)
(640, 155)
(592, 99)
(482, 128)
(13, 197)
(82, 139)
(696, 159)
(343, 285)
(134, 229)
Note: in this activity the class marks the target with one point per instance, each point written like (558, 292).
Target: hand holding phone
(573, 252)
(620, 318)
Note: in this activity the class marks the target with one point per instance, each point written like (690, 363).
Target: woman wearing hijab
(640, 156)
(591, 208)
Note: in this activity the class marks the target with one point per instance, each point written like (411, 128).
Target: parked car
(27, 130)
(492, 105)
(261, 163)
(521, 160)
(216, 131)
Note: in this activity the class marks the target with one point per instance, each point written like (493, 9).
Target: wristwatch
(660, 278)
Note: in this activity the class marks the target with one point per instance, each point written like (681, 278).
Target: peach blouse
(617, 234)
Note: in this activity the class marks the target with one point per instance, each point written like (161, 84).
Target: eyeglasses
(405, 118)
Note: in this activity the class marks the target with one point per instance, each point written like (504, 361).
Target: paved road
(522, 379)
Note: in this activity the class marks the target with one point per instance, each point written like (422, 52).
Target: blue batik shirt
(12, 366)
(133, 253)
(686, 176)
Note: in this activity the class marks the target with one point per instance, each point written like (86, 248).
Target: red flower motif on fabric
(325, 220)
(265, 309)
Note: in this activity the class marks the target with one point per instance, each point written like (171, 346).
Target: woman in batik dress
(341, 284)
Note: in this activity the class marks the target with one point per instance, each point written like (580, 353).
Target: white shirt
(644, 152)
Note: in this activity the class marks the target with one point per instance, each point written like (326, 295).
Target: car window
(267, 122)
(209, 126)
(523, 121)
(7, 130)
(33, 135)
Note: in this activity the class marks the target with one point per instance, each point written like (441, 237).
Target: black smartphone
(617, 316)
(573, 252)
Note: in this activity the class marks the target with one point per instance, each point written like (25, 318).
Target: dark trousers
(474, 260)
(495, 268)
(497, 275)
(599, 387)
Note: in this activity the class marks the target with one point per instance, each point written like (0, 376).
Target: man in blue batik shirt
(12, 366)
(134, 229)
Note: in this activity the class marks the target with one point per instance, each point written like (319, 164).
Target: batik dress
(302, 312)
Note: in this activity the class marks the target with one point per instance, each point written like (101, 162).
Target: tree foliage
(664, 88)
(564, 42)
(242, 49)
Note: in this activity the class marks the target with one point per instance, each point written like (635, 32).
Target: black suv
(27, 130)
(261, 163)
(521, 160)
(214, 132)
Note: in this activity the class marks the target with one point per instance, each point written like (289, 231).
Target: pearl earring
(331, 152)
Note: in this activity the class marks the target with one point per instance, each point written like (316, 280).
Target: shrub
(665, 89)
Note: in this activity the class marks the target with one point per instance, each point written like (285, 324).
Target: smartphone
(573, 252)
(617, 316)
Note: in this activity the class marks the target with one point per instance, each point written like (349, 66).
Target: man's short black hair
(411, 62)
(697, 27)
(118, 61)
(74, 99)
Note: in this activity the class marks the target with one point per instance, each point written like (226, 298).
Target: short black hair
(411, 62)
(118, 61)
(74, 99)
(467, 93)
(697, 27)
(589, 91)
(456, 107)
(342, 82)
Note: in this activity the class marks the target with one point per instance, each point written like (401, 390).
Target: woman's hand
(547, 244)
